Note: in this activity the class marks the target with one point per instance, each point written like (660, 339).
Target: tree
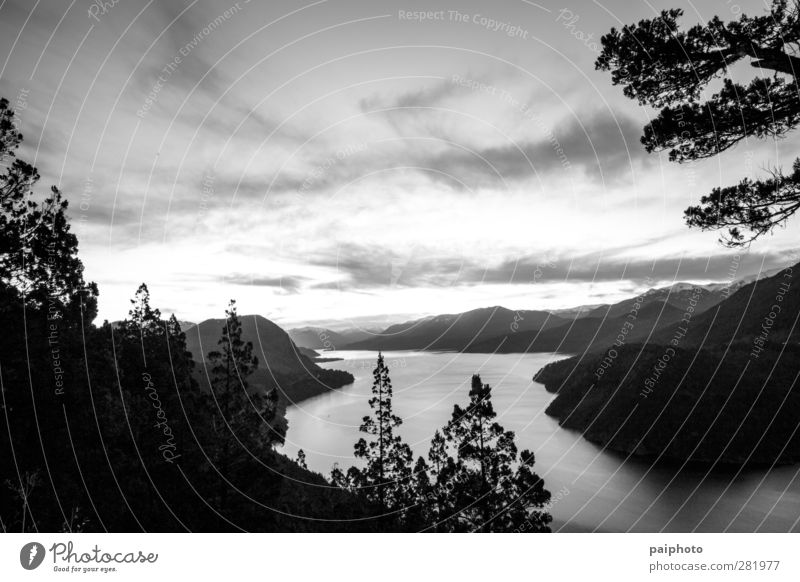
(245, 421)
(156, 372)
(421, 509)
(301, 459)
(441, 499)
(385, 478)
(493, 490)
(38, 252)
(660, 65)
(44, 305)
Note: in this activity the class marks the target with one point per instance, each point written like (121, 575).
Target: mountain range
(633, 319)
(457, 331)
(498, 329)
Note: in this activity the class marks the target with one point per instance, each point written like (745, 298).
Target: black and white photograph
(373, 268)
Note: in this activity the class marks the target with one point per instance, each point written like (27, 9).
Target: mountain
(587, 333)
(634, 319)
(652, 316)
(706, 406)
(569, 330)
(456, 331)
(281, 363)
(718, 386)
(320, 338)
(765, 308)
(576, 312)
(677, 295)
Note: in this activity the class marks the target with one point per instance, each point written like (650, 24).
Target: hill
(706, 406)
(718, 386)
(677, 295)
(586, 333)
(766, 308)
(634, 319)
(572, 330)
(281, 363)
(457, 331)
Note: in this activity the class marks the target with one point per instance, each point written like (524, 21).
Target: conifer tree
(420, 512)
(38, 252)
(443, 475)
(244, 421)
(385, 478)
(493, 491)
(301, 459)
(686, 73)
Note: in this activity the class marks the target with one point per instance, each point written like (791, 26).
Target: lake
(599, 490)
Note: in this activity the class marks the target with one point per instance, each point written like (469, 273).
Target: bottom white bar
(399, 556)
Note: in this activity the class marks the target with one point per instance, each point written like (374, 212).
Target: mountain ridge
(731, 368)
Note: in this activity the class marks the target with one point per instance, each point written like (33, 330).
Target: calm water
(599, 490)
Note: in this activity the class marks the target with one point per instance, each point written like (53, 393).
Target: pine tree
(421, 495)
(493, 491)
(686, 72)
(38, 252)
(44, 305)
(244, 421)
(301, 459)
(385, 478)
(443, 473)
(165, 409)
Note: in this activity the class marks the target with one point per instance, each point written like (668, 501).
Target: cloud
(603, 149)
(429, 96)
(362, 268)
(602, 267)
(289, 284)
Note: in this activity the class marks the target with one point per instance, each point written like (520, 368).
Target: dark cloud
(596, 268)
(429, 96)
(362, 268)
(603, 145)
(366, 267)
(603, 148)
(290, 284)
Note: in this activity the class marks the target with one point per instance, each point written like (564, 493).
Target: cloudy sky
(337, 160)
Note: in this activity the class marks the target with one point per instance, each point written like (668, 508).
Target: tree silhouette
(38, 252)
(244, 422)
(441, 500)
(385, 478)
(420, 511)
(493, 490)
(473, 479)
(44, 305)
(661, 65)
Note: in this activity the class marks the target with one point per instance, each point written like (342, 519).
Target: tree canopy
(473, 481)
(663, 66)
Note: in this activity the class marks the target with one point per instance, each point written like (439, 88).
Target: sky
(358, 163)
